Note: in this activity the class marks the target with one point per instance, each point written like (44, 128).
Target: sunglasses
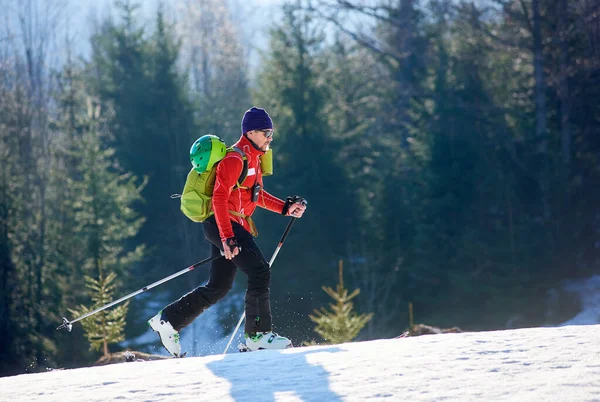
(267, 133)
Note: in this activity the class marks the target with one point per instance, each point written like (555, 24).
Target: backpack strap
(248, 219)
(244, 172)
(241, 179)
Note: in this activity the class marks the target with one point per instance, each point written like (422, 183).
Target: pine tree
(104, 221)
(292, 89)
(11, 333)
(135, 73)
(107, 326)
(340, 324)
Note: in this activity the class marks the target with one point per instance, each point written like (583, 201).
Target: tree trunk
(40, 269)
(540, 113)
(540, 85)
(7, 273)
(563, 92)
(405, 47)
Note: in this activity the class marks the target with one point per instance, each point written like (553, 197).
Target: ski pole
(287, 230)
(69, 324)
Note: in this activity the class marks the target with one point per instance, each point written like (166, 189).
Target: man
(231, 233)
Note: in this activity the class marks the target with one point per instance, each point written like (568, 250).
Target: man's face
(262, 138)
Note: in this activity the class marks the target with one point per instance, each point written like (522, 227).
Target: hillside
(538, 364)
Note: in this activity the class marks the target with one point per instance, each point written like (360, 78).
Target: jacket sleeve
(228, 172)
(270, 202)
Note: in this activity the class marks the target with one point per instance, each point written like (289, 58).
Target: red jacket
(228, 198)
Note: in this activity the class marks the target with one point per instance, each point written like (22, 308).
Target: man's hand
(296, 210)
(231, 248)
(294, 206)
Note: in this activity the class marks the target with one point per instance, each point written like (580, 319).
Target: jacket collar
(247, 146)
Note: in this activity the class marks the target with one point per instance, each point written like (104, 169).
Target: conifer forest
(449, 151)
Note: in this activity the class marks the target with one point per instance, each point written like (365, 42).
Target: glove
(289, 201)
(231, 248)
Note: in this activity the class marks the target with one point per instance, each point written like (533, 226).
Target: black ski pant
(250, 261)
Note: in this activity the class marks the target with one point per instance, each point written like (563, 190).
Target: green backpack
(196, 198)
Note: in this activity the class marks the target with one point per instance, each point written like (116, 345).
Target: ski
(131, 357)
(244, 348)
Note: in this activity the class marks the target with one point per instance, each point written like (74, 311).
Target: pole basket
(66, 324)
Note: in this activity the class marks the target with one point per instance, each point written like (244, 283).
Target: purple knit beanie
(256, 119)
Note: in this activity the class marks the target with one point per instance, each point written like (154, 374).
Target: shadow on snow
(265, 375)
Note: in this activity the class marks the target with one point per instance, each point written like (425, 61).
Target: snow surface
(537, 364)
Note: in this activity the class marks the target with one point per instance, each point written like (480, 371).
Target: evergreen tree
(340, 324)
(384, 154)
(105, 195)
(172, 130)
(66, 250)
(10, 331)
(135, 73)
(357, 102)
(291, 88)
(104, 220)
(17, 223)
(91, 203)
(104, 327)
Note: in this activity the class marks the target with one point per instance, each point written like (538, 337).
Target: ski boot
(266, 340)
(168, 336)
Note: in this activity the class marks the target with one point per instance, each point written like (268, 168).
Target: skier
(230, 231)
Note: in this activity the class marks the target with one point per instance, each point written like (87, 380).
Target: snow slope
(538, 364)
